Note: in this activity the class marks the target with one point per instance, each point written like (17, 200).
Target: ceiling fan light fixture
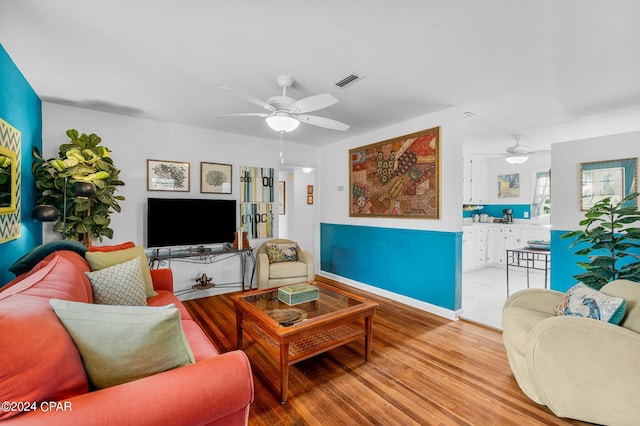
(282, 122)
(516, 159)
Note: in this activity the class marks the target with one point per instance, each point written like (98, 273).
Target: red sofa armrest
(218, 390)
(162, 279)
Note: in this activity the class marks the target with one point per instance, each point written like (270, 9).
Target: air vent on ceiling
(348, 80)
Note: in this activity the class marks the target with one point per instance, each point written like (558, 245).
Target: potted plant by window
(612, 242)
(81, 160)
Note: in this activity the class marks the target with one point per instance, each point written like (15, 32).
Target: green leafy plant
(610, 236)
(83, 159)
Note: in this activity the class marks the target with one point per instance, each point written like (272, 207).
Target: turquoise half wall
(422, 265)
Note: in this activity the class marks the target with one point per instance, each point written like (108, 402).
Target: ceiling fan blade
(313, 103)
(314, 120)
(517, 150)
(246, 114)
(250, 98)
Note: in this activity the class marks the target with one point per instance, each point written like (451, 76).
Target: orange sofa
(44, 382)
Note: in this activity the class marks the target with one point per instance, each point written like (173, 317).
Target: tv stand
(206, 255)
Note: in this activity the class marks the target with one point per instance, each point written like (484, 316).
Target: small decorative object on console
(295, 294)
(204, 283)
(241, 243)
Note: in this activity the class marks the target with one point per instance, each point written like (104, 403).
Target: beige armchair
(580, 368)
(283, 273)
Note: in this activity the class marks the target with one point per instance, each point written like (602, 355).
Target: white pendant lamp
(282, 122)
(517, 159)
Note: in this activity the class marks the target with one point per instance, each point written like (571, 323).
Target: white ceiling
(520, 66)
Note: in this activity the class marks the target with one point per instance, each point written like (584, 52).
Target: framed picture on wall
(10, 181)
(165, 175)
(614, 179)
(509, 186)
(257, 184)
(215, 178)
(399, 177)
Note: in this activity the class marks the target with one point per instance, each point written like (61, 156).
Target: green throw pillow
(100, 260)
(282, 253)
(119, 344)
(583, 301)
(120, 284)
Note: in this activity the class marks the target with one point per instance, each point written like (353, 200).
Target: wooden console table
(529, 258)
(207, 255)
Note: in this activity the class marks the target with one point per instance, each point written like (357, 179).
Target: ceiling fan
(515, 154)
(285, 114)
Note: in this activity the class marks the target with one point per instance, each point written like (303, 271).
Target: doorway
(297, 215)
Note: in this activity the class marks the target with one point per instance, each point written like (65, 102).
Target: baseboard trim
(424, 306)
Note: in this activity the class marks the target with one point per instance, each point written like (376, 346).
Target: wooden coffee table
(336, 318)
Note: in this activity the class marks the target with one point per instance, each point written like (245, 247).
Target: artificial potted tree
(611, 237)
(82, 160)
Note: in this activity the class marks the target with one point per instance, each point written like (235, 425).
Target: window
(541, 205)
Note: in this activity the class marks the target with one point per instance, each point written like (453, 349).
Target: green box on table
(294, 294)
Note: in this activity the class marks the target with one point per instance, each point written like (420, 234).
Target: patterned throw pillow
(120, 284)
(583, 301)
(282, 253)
(100, 260)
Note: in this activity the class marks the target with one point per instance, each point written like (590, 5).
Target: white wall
(334, 176)
(536, 163)
(565, 177)
(134, 140)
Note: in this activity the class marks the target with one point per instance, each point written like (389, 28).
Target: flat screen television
(190, 222)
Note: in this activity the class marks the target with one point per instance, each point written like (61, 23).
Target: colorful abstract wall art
(399, 177)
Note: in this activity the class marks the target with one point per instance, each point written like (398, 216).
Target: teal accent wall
(423, 265)
(495, 210)
(563, 261)
(20, 106)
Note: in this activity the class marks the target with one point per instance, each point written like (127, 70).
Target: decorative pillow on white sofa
(120, 284)
(119, 344)
(584, 301)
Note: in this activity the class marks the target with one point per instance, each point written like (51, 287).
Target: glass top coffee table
(293, 333)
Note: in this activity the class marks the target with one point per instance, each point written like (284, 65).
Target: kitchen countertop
(516, 222)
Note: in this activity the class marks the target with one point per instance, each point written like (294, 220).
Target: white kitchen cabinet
(486, 244)
(512, 237)
(474, 171)
(474, 247)
(494, 234)
(507, 237)
(480, 247)
(468, 249)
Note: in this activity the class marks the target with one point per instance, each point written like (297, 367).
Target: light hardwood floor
(425, 370)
